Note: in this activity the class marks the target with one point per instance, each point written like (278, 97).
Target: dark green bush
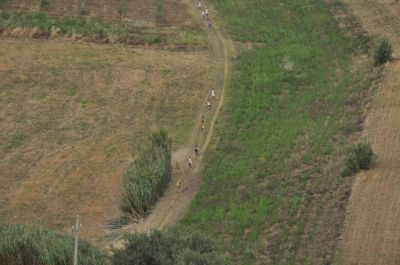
(168, 248)
(360, 156)
(148, 176)
(383, 52)
(24, 245)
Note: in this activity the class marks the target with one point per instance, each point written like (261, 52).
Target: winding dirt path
(372, 227)
(174, 204)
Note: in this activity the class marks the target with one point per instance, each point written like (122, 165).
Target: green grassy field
(272, 187)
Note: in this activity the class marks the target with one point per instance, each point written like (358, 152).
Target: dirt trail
(174, 204)
(372, 228)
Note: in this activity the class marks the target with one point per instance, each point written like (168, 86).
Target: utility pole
(75, 229)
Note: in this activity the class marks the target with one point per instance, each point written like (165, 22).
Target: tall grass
(272, 188)
(148, 176)
(24, 245)
(41, 25)
(66, 26)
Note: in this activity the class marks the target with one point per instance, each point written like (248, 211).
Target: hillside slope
(71, 114)
(372, 231)
(175, 203)
(272, 188)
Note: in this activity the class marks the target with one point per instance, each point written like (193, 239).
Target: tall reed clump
(23, 245)
(148, 176)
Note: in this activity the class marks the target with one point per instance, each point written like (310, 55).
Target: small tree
(360, 156)
(383, 52)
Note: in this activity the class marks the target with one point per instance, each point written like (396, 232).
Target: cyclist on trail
(209, 104)
(213, 93)
(178, 184)
(206, 12)
(196, 149)
(190, 162)
(202, 128)
(199, 4)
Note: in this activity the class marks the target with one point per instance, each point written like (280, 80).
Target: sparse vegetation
(23, 245)
(148, 176)
(383, 53)
(360, 156)
(167, 248)
(160, 11)
(122, 8)
(44, 3)
(272, 187)
(83, 8)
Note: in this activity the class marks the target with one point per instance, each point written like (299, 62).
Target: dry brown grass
(69, 115)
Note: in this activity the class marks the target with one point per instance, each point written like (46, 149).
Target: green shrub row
(67, 26)
(168, 248)
(148, 176)
(25, 245)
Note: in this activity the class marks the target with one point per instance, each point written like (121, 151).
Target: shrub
(148, 176)
(83, 8)
(360, 156)
(160, 11)
(44, 3)
(122, 8)
(24, 245)
(167, 248)
(383, 52)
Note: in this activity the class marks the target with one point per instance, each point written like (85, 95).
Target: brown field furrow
(372, 229)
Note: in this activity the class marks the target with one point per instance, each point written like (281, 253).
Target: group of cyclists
(203, 121)
(196, 148)
(204, 14)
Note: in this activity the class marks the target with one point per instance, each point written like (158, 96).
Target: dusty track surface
(175, 203)
(372, 228)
